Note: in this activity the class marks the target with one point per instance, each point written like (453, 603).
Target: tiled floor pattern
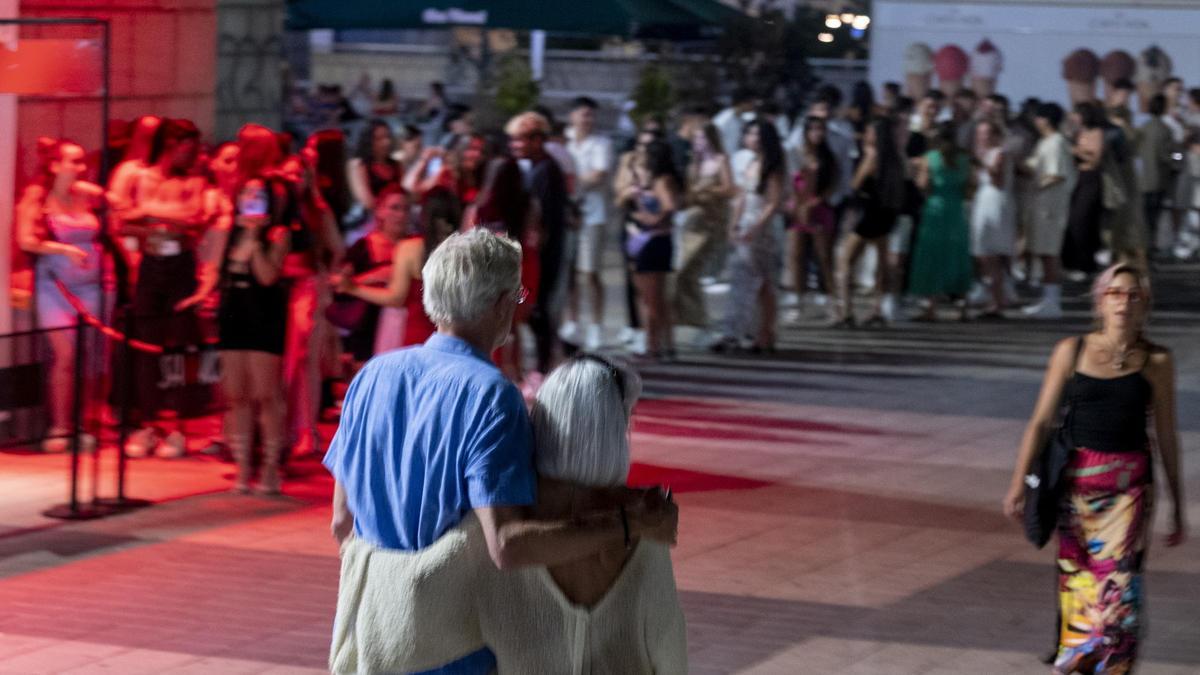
(840, 515)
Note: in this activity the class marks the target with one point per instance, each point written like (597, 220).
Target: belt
(164, 249)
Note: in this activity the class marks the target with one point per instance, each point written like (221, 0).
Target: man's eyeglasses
(1133, 295)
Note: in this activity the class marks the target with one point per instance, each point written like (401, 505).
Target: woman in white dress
(614, 612)
(754, 233)
(993, 227)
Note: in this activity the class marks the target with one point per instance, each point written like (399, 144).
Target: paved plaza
(840, 513)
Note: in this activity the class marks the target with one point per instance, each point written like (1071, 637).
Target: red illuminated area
(163, 62)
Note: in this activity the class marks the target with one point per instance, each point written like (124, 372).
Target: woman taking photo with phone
(252, 318)
(1115, 382)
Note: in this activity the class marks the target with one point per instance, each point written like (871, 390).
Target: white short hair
(581, 421)
(465, 273)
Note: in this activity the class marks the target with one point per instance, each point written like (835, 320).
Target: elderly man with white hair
(432, 434)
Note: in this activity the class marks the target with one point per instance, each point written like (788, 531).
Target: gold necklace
(1119, 358)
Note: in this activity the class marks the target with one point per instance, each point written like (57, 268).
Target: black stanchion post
(76, 413)
(73, 510)
(126, 389)
(122, 502)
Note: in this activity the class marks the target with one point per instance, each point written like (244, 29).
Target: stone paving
(840, 514)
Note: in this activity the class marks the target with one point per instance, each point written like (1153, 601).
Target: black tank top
(1109, 414)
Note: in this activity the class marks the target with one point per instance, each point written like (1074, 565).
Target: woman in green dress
(941, 261)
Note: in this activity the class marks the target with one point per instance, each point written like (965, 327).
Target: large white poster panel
(1027, 44)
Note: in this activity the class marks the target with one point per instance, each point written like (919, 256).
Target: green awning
(633, 18)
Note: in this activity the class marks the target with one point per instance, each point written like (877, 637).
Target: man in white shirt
(731, 121)
(593, 156)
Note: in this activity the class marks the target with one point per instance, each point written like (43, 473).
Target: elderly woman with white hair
(615, 611)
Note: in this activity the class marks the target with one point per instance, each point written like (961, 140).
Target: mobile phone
(433, 167)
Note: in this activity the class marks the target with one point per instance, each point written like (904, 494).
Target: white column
(537, 54)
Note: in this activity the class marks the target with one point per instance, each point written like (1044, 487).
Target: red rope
(106, 331)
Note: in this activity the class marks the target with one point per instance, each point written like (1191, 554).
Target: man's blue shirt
(426, 435)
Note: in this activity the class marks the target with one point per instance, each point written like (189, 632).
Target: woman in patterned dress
(1115, 382)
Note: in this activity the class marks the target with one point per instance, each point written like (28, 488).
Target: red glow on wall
(50, 67)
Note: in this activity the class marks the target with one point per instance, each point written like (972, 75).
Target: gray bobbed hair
(581, 422)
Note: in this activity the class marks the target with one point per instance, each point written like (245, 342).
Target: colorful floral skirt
(1102, 539)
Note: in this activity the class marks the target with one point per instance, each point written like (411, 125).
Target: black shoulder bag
(1044, 484)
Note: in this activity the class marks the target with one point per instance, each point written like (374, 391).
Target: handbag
(1044, 485)
(636, 240)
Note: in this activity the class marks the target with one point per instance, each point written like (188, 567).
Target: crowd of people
(307, 261)
(308, 254)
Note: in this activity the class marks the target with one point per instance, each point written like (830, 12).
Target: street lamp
(855, 23)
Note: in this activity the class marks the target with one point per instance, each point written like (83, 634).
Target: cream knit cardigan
(405, 611)
(402, 611)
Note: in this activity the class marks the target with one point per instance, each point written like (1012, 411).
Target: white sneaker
(141, 443)
(789, 299)
(979, 294)
(1043, 310)
(568, 331)
(638, 345)
(60, 443)
(792, 317)
(626, 335)
(173, 446)
(1104, 257)
(595, 337)
(887, 308)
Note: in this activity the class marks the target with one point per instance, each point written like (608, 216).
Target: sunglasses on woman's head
(613, 372)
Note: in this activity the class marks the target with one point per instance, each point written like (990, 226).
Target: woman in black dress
(879, 195)
(653, 201)
(252, 318)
